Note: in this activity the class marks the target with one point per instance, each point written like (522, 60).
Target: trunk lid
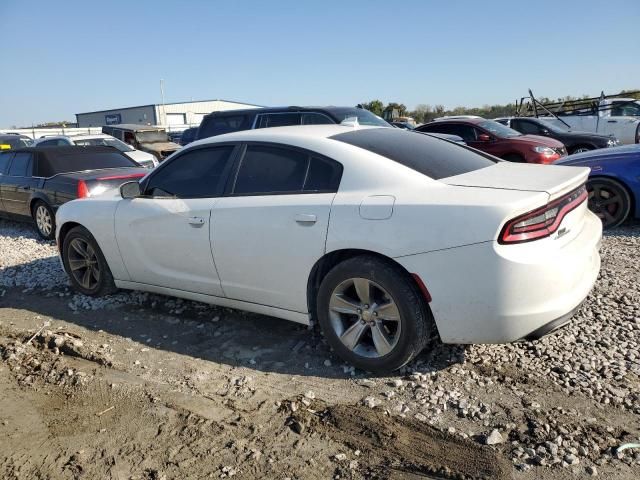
(95, 182)
(555, 180)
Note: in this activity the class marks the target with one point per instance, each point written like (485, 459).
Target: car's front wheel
(85, 264)
(45, 220)
(373, 315)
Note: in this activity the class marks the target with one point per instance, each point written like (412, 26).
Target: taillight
(541, 222)
(83, 190)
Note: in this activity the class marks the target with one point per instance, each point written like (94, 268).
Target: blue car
(614, 182)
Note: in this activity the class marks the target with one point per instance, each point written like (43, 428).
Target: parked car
(188, 136)
(34, 182)
(153, 140)
(143, 158)
(496, 139)
(228, 121)
(389, 238)
(575, 142)
(175, 137)
(12, 141)
(614, 182)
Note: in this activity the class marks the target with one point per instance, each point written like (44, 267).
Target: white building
(182, 114)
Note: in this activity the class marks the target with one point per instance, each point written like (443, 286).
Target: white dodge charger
(389, 238)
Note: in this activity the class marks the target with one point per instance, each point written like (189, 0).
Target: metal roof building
(181, 113)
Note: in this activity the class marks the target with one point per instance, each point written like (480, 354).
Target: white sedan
(389, 238)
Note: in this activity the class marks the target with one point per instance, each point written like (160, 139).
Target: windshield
(16, 141)
(365, 117)
(107, 142)
(498, 129)
(152, 136)
(553, 127)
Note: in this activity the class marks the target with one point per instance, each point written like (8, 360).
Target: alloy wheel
(365, 317)
(607, 202)
(44, 221)
(83, 263)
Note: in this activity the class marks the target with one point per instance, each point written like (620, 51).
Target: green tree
(374, 106)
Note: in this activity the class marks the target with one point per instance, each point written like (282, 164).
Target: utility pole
(164, 111)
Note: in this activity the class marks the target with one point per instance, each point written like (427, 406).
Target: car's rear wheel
(45, 220)
(373, 315)
(609, 200)
(85, 264)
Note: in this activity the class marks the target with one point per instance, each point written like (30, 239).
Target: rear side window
(266, 170)
(4, 161)
(525, 127)
(433, 157)
(316, 119)
(268, 120)
(219, 125)
(21, 165)
(199, 173)
(323, 176)
(53, 143)
(54, 163)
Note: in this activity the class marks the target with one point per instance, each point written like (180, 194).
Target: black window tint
(21, 165)
(199, 173)
(271, 170)
(316, 119)
(323, 176)
(466, 132)
(433, 157)
(72, 159)
(278, 120)
(525, 127)
(5, 158)
(50, 143)
(219, 125)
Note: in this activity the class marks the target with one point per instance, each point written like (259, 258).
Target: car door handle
(196, 221)
(306, 218)
(612, 121)
(24, 187)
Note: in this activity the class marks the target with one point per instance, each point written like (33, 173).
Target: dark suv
(576, 142)
(217, 123)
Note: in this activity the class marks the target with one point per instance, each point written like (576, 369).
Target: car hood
(160, 146)
(551, 179)
(534, 140)
(140, 156)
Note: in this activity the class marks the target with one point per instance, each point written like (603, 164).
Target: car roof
(66, 150)
(134, 126)
(291, 108)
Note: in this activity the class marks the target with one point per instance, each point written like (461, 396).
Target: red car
(497, 139)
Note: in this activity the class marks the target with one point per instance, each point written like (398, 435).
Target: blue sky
(64, 57)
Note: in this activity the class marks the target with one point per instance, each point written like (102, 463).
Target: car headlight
(544, 150)
(612, 142)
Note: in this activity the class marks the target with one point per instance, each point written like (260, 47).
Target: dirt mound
(393, 447)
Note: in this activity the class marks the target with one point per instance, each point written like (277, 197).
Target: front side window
(625, 109)
(498, 129)
(267, 170)
(105, 142)
(199, 173)
(21, 165)
(523, 126)
(278, 120)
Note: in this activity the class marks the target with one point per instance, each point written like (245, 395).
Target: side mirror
(483, 137)
(545, 132)
(130, 190)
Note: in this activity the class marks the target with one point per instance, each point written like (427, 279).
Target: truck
(612, 115)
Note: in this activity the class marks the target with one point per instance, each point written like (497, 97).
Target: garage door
(176, 119)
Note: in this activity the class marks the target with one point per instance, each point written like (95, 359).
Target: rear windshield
(436, 158)
(53, 164)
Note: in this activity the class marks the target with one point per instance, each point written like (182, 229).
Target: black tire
(98, 284)
(580, 149)
(44, 219)
(609, 200)
(514, 157)
(416, 324)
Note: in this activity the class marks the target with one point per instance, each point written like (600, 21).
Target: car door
(18, 184)
(5, 159)
(272, 227)
(163, 235)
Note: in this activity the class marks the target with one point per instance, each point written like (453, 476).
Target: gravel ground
(554, 407)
